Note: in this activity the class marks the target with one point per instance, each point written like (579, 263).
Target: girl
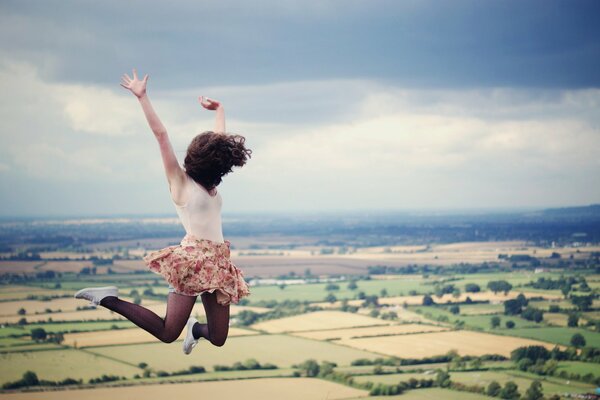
(200, 265)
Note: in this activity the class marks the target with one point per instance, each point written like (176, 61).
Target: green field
(280, 350)
(64, 327)
(551, 385)
(578, 367)
(61, 364)
(556, 335)
(432, 394)
(477, 322)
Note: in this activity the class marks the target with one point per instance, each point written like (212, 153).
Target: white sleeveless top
(201, 215)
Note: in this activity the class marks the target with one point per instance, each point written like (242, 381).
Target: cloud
(335, 144)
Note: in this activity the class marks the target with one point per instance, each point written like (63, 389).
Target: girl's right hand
(135, 85)
(209, 104)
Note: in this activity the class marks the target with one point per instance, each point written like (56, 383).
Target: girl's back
(201, 212)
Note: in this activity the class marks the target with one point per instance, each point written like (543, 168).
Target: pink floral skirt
(196, 266)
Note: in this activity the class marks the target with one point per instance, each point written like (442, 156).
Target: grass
(281, 350)
(64, 327)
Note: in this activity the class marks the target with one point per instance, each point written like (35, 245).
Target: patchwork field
(369, 331)
(437, 343)
(259, 389)
(127, 336)
(317, 321)
(281, 350)
(559, 335)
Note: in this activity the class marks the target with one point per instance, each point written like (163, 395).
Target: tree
(472, 288)
(476, 363)
(495, 321)
(310, 368)
(454, 309)
(577, 340)
(330, 298)
(499, 286)
(30, 378)
(533, 314)
(534, 392)
(512, 307)
(427, 300)
(352, 285)
(583, 303)
(383, 292)
(510, 391)
(22, 311)
(510, 324)
(332, 287)
(493, 389)
(38, 334)
(573, 320)
(442, 379)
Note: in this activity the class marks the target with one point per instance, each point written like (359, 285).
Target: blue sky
(346, 104)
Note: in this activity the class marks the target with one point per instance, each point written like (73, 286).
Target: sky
(347, 105)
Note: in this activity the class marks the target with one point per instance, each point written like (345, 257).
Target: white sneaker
(189, 342)
(95, 295)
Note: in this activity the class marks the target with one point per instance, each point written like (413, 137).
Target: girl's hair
(212, 155)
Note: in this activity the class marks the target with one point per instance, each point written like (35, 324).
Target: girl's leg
(179, 308)
(217, 318)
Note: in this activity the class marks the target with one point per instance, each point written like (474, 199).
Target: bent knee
(169, 338)
(218, 341)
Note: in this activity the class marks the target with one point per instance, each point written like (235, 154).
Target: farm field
(369, 331)
(259, 389)
(438, 343)
(317, 321)
(432, 394)
(479, 322)
(127, 336)
(61, 364)
(281, 350)
(577, 367)
(551, 385)
(557, 335)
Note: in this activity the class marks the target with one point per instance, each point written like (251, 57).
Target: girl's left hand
(209, 104)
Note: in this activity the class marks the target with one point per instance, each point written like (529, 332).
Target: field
(259, 389)
(281, 350)
(317, 321)
(432, 394)
(484, 378)
(438, 343)
(126, 336)
(558, 335)
(369, 331)
(61, 364)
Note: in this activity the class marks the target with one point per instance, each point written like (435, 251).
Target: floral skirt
(196, 266)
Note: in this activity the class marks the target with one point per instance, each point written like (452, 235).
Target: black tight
(179, 308)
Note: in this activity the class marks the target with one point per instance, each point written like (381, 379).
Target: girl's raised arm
(175, 174)
(214, 105)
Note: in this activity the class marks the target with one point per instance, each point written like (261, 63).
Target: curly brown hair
(210, 156)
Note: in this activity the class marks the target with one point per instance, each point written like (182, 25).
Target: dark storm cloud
(473, 43)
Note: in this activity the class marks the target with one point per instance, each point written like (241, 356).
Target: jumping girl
(200, 264)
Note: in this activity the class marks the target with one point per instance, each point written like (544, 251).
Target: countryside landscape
(342, 306)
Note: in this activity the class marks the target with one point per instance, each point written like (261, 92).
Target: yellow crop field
(317, 321)
(126, 336)
(369, 331)
(437, 343)
(69, 312)
(250, 389)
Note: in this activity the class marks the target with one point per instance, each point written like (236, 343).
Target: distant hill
(591, 212)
